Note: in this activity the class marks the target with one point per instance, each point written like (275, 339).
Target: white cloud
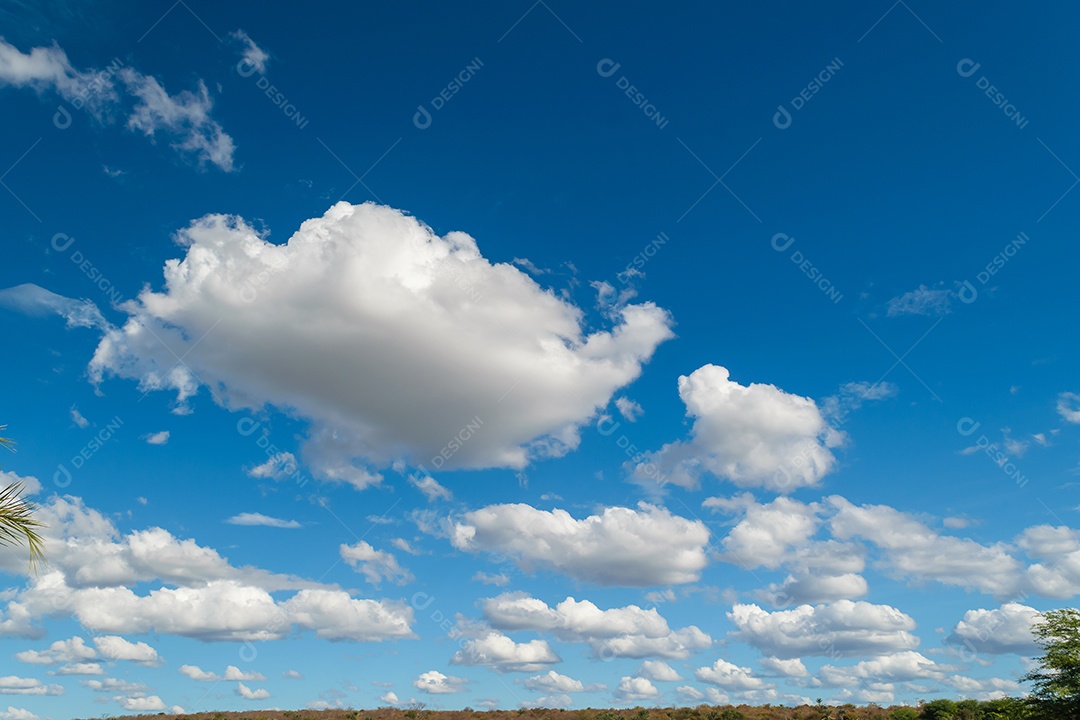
(689, 693)
(234, 673)
(254, 57)
(619, 632)
(1007, 629)
(767, 533)
(498, 580)
(755, 436)
(142, 703)
(14, 713)
(31, 485)
(388, 296)
(792, 667)
(277, 466)
(843, 628)
(15, 685)
(658, 671)
(196, 673)
(375, 565)
(292, 674)
(914, 550)
(335, 615)
(72, 650)
(1068, 406)
(390, 698)
(403, 545)
(431, 488)
(553, 683)
(263, 520)
(184, 118)
(620, 546)
(814, 588)
(83, 668)
(36, 301)
(896, 667)
(502, 654)
(248, 694)
(729, 676)
(635, 689)
(114, 647)
(78, 419)
(921, 301)
(629, 409)
(158, 438)
(435, 683)
(549, 701)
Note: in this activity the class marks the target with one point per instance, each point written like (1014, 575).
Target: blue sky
(520, 354)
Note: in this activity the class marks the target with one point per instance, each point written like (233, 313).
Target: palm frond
(18, 524)
(6, 442)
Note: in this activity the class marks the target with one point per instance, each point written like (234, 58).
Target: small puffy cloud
(335, 615)
(549, 701)
(921, 301)
(914, 550)
(1068, 406)
(142, 703)
(31, 485)
(196, 673)
(14, 713)
(617, 632)
(390, 698)
(277, 466)
(248, 694)
(554, 683)
(263, 520)
(72, 650)
(389, 296)
(635, 689)
(431, 488)
(767, 533)
(843, 628)
(15, 685)
(497, 580)
(620, 546)
(234, 673)
(1007, 629)
(292, 674)
(254, 57)
(658, 671)
(729, 676)
(158, 438)
(78, 419)
(792, 667)
(755, 436)
(629, 409)
(434, 682)
(814, 588)
(502, 654)
(91, 668)
(895, 667)
(32, 300)
(403, 545)
(375, 565)
(114, 647)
